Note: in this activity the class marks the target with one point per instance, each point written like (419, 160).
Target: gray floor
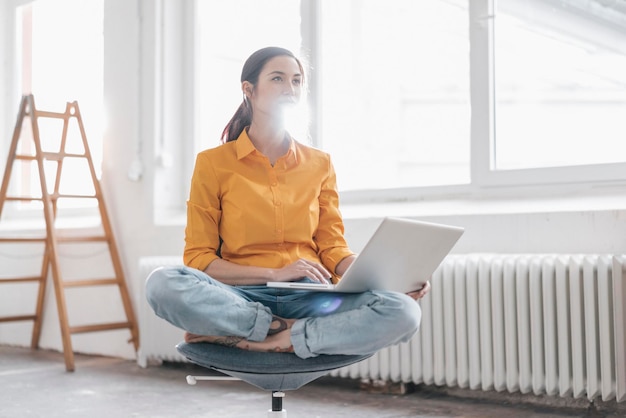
(35, 384)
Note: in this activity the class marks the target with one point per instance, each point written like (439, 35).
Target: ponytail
(236, 125)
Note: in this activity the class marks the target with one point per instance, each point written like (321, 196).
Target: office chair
(276, 372)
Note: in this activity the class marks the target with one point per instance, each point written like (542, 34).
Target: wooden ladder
(52, 239)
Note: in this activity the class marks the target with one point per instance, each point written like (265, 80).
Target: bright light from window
(560, 84)
(395, 92)
(229, 31)
(62, 49)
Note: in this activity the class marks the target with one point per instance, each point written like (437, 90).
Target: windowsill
(29, 226)
(468, 206)
(610, 198)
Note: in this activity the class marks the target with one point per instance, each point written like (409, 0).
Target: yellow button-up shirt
(266, 216)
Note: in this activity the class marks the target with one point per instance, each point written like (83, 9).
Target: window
(560, 83)
(60, 44)
(394, 88)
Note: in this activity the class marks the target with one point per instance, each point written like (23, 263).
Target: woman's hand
(418, 294)
(303, 268)
(237, 275)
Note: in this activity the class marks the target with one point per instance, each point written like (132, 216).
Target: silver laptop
(401, 256)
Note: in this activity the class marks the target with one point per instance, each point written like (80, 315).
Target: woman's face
(279, 87)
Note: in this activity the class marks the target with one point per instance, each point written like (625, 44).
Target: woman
(263, 207)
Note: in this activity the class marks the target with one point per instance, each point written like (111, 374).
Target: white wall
(570, 224)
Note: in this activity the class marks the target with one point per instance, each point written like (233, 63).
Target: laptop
(401, 256)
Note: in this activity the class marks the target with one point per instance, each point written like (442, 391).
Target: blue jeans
(327, 322)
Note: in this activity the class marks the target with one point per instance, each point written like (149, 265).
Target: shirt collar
(245, 147)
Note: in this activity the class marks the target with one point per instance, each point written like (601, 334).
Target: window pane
(394, 85)
(62, 50)
(228, 32)
(560, 83)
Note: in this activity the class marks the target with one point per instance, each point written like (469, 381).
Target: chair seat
(268, 371)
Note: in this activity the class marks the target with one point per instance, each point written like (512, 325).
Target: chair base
(267, 371)
(277, 410)
(277, 372)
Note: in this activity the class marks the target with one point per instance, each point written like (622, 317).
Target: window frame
(485, 180)
(169, 38)
(482, 139)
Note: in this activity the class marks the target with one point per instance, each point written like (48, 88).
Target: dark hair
(250, 73)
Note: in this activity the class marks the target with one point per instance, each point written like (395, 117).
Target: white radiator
(542, 324)
(158, 338)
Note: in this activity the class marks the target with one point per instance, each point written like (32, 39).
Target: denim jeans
(327, 322)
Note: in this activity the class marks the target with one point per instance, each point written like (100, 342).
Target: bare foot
(278, 338)
(225, 341)
(279, 342)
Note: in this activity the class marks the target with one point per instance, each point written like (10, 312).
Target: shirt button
(278, 203)
(274, 184)
(278, 231)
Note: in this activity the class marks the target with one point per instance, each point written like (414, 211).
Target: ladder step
(21, 239)
(52, 196)
(25, 157)
(58, 156)
(20, 279)
(93, 238)
(48, 114)
(23, 199)
(90, 282)
(99, 327)
(75, 196)
(18, 318)
(49, 155)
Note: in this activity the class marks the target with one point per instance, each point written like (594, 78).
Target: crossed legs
(264, 319)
